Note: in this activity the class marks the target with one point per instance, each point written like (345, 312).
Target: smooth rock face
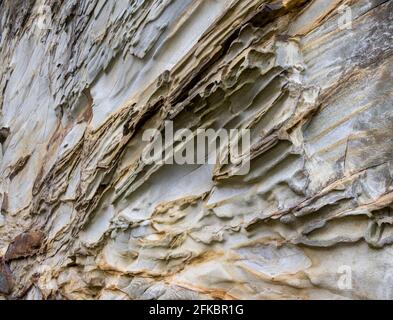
(83, 217)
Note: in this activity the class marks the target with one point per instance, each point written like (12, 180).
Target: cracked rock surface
(83, 217)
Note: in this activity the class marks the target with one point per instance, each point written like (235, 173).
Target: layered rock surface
(83, 217)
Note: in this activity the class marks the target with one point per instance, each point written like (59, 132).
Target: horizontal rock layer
(83, 217)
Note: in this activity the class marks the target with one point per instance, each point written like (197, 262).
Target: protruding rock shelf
(83, 217)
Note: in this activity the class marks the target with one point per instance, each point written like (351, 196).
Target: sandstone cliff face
(82, 217)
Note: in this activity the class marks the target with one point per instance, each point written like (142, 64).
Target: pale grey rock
(83, 217)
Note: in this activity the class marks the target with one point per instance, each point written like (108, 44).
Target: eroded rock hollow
(83, 217)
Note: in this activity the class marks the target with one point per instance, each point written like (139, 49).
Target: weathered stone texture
(82, 217)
